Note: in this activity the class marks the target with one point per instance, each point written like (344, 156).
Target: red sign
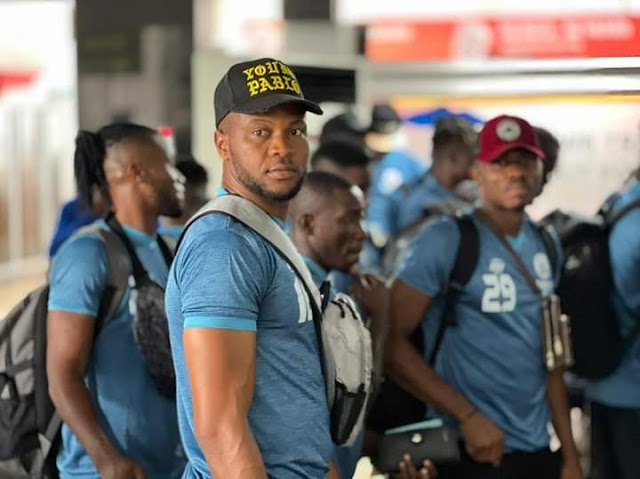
(517, 37)
(10, 79)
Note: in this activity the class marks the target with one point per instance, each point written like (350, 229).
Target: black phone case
(439, 445)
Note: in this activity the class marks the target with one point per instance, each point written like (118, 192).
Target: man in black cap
(251, 394)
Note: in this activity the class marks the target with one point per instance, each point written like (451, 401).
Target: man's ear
(136, 171)
(306, 224)
(221, 140)
(476, 172)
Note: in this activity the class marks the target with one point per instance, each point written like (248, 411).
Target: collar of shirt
(433, 182)
(318, 273)
(139, 238)
(223, 191)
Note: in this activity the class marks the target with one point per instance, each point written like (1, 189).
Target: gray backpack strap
(118, 267)
(118, 271)
(171, 242)
(255, 218)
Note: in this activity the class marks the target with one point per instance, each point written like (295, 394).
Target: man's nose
(279, 146)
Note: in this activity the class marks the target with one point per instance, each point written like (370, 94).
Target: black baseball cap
(257, 86)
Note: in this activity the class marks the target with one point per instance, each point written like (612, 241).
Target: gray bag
(344, 340)
(29, 424)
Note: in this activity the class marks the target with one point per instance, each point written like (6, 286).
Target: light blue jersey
(226, 276)
(406, 205)
(346, 458)
(172, 231)
(140, 422)
(395, 169)
(493, 356)
(622, 388)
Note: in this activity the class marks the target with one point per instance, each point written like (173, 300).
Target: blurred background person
(195, 195)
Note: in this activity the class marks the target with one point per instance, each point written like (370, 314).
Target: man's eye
(298, 132)
(260, 132)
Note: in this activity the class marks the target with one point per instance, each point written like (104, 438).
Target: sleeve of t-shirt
(221, 276)
(379, 218)
(78, 276)
(430, 257)
(624, 247)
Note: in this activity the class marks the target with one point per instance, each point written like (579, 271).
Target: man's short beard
(172, 209)
(252, 185)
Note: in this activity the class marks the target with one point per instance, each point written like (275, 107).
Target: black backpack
(396, 246)
(586, 286)
(394, 406)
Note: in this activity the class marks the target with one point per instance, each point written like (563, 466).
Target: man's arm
(405, 366)
(333, 471)
(69, 343)
(557, 398)
(221, 366)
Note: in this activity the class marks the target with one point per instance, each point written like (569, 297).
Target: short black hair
(342, 126)
(453, 130)
(324, 184)
(91, 151)
(341, 152)
(384, 119)
(194, 173)
(550, 145)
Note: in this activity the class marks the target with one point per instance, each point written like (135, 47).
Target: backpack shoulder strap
(118, 271)
(259, 221)
(468, 252)
(614, 216)
(465, 264)
(168, 243)
(550, 247)
(167, 246)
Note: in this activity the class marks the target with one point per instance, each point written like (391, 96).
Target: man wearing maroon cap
(488, 378)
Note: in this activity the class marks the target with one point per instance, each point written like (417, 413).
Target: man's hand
(483, 440)
(571, 470)
(409, 471)
(121, 467)
(371, 292)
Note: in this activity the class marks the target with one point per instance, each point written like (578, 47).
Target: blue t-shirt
(73, 216)
(406, 205)
(622, 388)
(395, 169)
(140, 422)
(346, 458)
(226, 276)
(494, 355)
(173, 231)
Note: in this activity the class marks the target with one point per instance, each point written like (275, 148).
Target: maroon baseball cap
(505, 133)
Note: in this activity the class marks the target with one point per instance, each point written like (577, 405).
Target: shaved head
(122, 155)
(317, 191)
(326, 220)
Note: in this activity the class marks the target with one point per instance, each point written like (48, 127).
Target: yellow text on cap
(270, 76)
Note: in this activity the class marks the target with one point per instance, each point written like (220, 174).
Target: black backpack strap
(168, 246)
(550, 247)
(612, 217)
(463, 268)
